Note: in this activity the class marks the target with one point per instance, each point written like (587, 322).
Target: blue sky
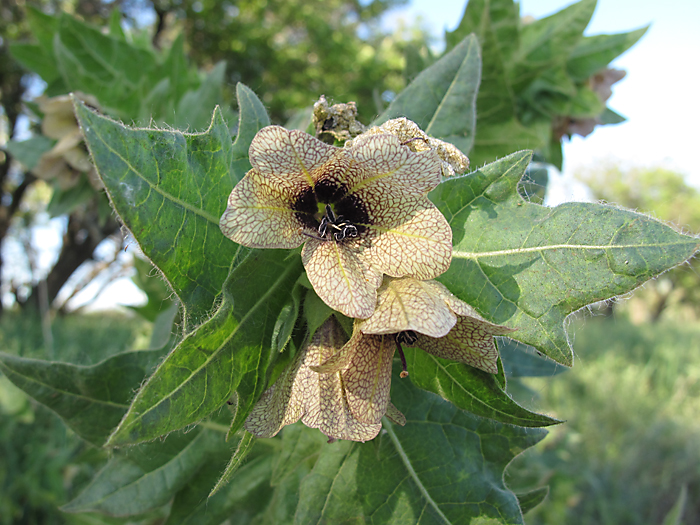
(659, 96)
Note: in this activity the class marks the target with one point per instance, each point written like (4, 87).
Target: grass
(632, 436)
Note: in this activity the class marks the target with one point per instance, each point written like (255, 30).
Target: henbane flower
(319, 400)
(414, 313)
(362, 212)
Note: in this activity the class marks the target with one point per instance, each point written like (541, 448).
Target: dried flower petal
(319, 400)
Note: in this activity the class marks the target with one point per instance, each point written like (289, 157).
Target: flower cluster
(372, 243)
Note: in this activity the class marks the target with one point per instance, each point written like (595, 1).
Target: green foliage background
(501, 84)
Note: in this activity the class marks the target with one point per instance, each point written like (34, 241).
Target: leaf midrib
(120, 429)
(411, 471)
(533, 249)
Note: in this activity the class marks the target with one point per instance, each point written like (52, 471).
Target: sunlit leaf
(170, 189)
(229, 353)
(529, 267)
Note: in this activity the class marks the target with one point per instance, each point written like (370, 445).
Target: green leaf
(229, 353)
(43, 27)
(549, 41)
(470, 389)
(29, 151)
(299, 445)
(594, 53)
(502, 17)
(245, 497)
(244, 446)
(147, 476)
(496, 24)
(91, 400)
(529, 267)
(442, 99)
(36, 59)
(252, 118)
(195, 106)
(444, 467)
(675, 515)
(117, 73)
(520, 360)
(608, 116)
(170, 189)
(529, 500)
(498, 139)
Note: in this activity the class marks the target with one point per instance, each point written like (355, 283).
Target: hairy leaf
(445, 466)
(91, 400)
(528, 266)
(229, 353)
(170, 189)
(470, 389)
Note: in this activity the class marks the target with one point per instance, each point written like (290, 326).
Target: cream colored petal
(470, 342)
(384, 166)
(67, 142)
(415, 241)
(367, 379)
(327, 341)
(340, 278)
(325, 405)
(78, 159)
(395, 415)
(409, 304)
(293, 154)
(283, 403)
(260, 215)
(336, 419)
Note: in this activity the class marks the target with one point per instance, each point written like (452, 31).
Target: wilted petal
(367, 379)
(383, 166)
(410, 237)
(470, 342)
(340, 278)
(292, 155)
(410, 304)
(260, 214)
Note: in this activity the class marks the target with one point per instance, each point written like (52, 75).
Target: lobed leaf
(444, 467)
(442, 99)
(470, 389)
(229, 353)
(170, 189)
(594, 53)
(147, 476)
(91, 400)
(529, 267)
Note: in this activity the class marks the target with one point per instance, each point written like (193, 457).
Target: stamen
(414, 138)
(404, 372)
